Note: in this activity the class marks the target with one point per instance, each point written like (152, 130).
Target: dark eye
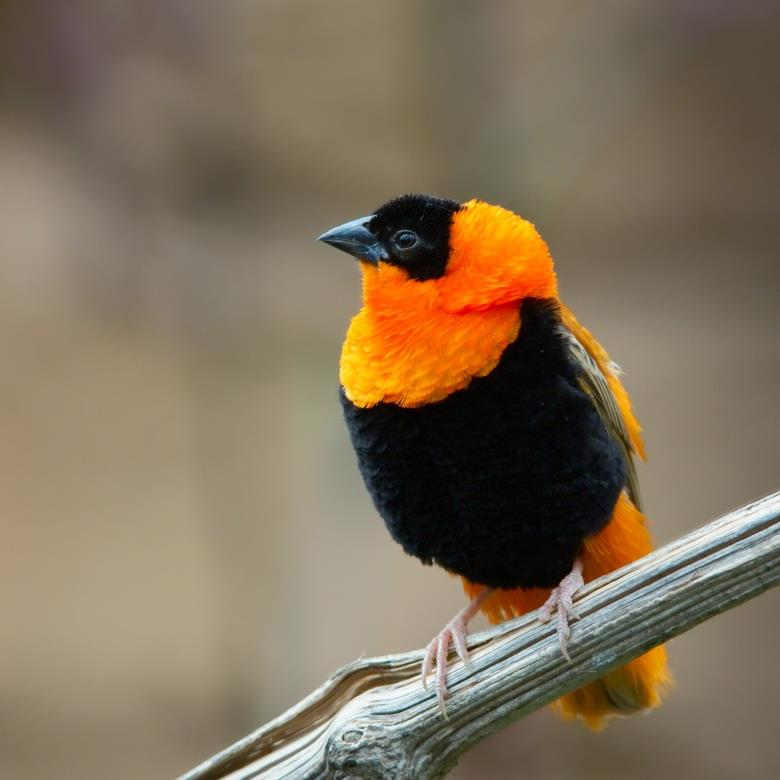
(405, 239)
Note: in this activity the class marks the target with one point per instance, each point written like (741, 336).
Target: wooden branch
(373, 719)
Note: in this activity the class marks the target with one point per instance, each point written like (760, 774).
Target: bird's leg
(454, 632)
(561, 600)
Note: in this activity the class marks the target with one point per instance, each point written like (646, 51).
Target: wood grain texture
(373, 720)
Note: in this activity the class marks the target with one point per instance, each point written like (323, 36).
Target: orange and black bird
(491, 428)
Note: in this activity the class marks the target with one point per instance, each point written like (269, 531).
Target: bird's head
(459, 257)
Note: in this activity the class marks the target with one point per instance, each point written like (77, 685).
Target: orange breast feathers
(416, 342)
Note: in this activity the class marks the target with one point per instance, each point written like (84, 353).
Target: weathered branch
(373, 719)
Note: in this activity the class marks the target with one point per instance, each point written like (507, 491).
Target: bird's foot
(561, 601)
(438, 649)
(454, 633)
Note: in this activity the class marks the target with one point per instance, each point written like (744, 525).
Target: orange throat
(412, 351)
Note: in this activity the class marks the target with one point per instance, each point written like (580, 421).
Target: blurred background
(187, 545)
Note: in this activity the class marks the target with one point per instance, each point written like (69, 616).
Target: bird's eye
(405, 239)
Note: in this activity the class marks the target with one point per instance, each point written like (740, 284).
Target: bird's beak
(357, 240)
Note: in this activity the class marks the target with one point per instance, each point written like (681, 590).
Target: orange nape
(639, 684)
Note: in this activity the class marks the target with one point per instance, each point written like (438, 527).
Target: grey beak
(356, 239)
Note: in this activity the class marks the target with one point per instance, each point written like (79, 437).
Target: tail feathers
(639, 684)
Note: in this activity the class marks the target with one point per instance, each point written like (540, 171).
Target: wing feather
(600, 379)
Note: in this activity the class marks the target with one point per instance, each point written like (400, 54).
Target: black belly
(499, 482)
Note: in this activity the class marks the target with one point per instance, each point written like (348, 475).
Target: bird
(492, 430)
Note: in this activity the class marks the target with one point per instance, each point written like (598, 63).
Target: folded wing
(600, 379)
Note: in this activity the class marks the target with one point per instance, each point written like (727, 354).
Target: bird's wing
(601, 380)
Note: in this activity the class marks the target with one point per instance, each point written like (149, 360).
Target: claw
(459, 640)
(427, 664)
(560, 601)
(454, 633)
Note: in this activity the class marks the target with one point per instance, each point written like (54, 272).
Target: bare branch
(373, 719)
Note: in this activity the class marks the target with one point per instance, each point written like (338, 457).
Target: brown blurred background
(187, 546)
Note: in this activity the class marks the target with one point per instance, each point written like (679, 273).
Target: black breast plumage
(499, 482)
